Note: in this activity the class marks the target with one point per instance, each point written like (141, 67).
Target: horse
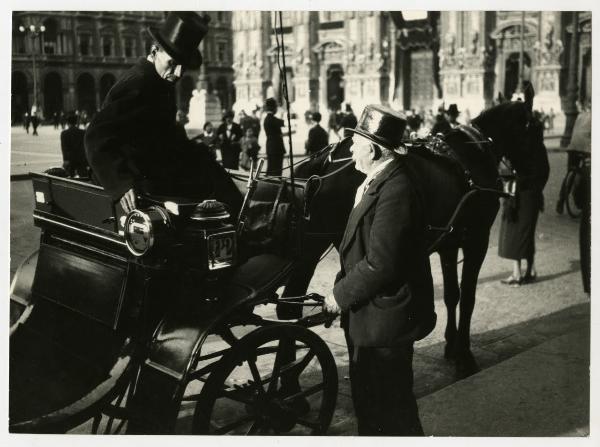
(461, 186)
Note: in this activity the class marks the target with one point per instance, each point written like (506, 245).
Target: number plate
(221, 250)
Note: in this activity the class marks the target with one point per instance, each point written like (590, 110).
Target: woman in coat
(520, 214)
(275, 147)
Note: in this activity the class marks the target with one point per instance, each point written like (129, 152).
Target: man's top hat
(381, 125)
(453, 110)
(180, 36)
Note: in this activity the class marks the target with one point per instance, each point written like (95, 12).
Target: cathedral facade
(471, 58)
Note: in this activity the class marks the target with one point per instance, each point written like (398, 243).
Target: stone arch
(85, 89)
(52, 90)
(19, 103)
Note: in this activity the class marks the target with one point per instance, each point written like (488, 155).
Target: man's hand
(128, 201)
(330, 305)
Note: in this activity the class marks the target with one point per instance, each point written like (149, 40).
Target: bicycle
(571, 179)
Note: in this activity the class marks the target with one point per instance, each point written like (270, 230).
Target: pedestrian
(348, 120)
(73, 150)
(63, 120)
(384, 288)
(180, 121)
(256, 121)
(333, 124)
(246, 121)
(208, 137)
(275, 147)
(441, 124)
(55, 120)
(452, 116)
(35, 122)
(317, 136)
(582, 193)
(520, 213)
(26, 122)
(138, 151)
(250, 149)
(229, 134)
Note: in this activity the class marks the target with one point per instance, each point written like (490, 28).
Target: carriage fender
(21, 298)
(173, 352)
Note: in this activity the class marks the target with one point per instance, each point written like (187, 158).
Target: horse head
(507, 125)
(333, 183)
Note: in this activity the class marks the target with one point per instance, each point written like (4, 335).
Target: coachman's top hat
(381, 125)
(180, 36)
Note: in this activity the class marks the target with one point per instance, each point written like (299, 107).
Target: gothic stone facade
(331, 57)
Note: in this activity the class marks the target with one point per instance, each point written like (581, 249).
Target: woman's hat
(381, 125)
(180, 36)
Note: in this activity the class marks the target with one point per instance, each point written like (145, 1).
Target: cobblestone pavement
(507, 321)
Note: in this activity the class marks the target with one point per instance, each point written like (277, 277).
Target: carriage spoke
(258, 381)
(233, 425)
(299, 365)
(307, 392)
(96, 423)
(276, 371)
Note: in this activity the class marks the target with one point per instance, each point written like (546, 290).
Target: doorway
(335, 87)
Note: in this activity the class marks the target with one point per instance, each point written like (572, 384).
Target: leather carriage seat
(263, 274)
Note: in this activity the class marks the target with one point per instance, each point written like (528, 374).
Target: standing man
(349, 119)
(317, 136)
(384, 288)
(73, 150)
(230, 135)
(452, 114)
(132, 145)
(275, 147)
(441, 124)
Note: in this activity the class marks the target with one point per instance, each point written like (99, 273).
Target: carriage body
(109, 319)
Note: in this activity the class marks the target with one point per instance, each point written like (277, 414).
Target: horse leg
(474, 252)
(297, 285)
(448, 259)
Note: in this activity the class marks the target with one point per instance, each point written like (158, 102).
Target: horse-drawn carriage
(151, 322)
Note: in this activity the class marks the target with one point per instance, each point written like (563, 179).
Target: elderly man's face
(166, 67)
(362, 154)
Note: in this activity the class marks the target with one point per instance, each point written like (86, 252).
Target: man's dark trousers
(381, 381)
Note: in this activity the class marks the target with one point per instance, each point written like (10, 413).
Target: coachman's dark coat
(133, 143)
(71, 144)
(384, 288)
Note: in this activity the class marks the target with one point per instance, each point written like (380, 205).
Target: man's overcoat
(384, 288)
(133, 143)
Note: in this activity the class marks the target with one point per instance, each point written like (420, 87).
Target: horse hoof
(449, 352)
(466, 366)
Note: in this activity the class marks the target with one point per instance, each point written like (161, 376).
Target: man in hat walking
(384, 288)
(132, 143)
(452, 114)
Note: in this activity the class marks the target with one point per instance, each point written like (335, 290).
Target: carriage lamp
(146, 229)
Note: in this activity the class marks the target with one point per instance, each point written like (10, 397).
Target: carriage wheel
(258, 389)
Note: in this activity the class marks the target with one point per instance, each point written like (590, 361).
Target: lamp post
(33, 32)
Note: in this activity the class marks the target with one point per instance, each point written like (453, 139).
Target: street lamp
(34, 32)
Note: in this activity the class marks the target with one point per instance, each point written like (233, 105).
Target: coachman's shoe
(511, 281)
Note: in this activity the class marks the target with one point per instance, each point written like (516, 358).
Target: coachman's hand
(128, 201)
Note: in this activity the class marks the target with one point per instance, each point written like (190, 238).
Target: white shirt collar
(370, 177)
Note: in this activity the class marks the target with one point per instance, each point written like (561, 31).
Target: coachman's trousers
(381, 381)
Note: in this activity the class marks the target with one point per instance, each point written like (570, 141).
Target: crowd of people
(58, 119)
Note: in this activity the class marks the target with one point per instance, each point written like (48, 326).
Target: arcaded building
(361, 57)
(80, 55)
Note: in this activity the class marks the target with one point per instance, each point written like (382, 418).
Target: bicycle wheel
(571, 180)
